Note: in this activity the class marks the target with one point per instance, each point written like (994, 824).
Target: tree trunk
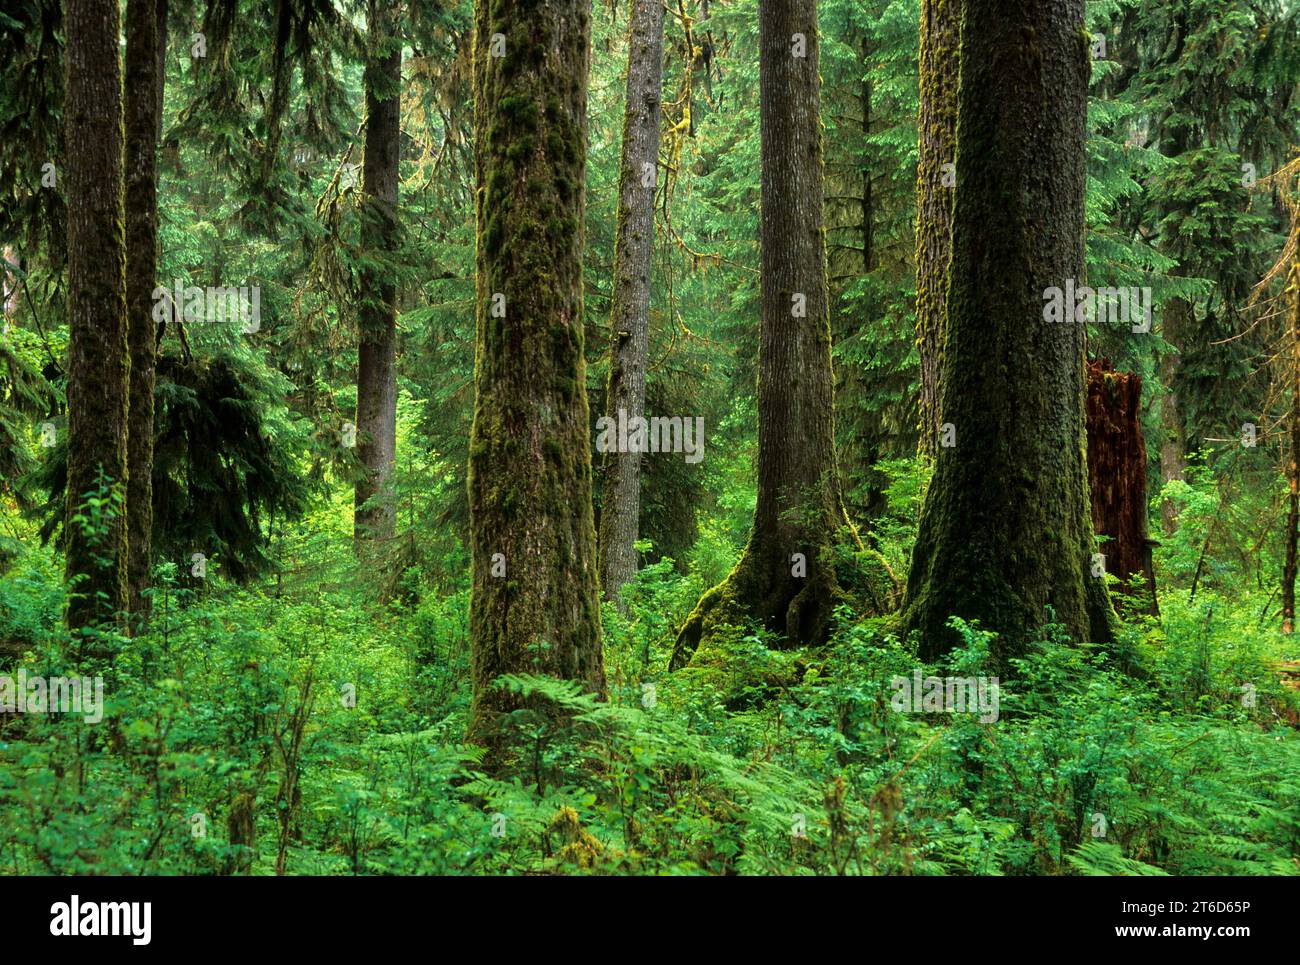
(281, 75)
(1117, 478)
(535, 600)
(785, 578)
(143, 107)
(1176, 326)
(1293, 462)
(1173, 448)
(161, 75)
(1006, 531)
(629, 320)
(376, 354)
(935, 188)
(868, 200)
(97, 348)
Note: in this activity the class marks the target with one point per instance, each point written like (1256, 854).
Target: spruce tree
(785, 578)
(1006, 537)
(144, 88)
(96, 539)
(535, 601)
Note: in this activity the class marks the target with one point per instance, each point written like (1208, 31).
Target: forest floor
(299, 726)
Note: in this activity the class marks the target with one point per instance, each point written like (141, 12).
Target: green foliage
(299, 712)
(760, 761)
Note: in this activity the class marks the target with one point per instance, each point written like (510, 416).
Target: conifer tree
(535, 602)
(96, 543)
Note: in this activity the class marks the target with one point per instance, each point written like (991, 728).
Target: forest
(649, 437)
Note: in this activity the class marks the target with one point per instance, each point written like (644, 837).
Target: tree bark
(1117, 479)
(936, 146)
(1176, 325)
(1006, 531)
(785, 578)
(1173, 448)
(868, 200)
(1293, 462)
(377, 349)
(143, 107)
(97, 349)
(161, 75)
(535, 600)
(629, 320)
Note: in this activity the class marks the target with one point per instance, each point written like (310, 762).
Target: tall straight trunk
(1173, 447)
(785, 579)
(1006, 531)
(629, 320)
(1293, 463)
(96, 542)
(143, 107)
(376, 354)
(161, 50)
(534, 606)
(1177, 324)
(868, 200)
(936, 146)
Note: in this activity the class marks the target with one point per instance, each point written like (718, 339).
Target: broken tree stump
(1117, 479)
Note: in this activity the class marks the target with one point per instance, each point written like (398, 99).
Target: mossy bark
(97, 347)
(377, 324)
(535, 598)
(629, 320)
(785, 578)
(935, 189)
(1292, 534)
(1006, 531)
(143, 106)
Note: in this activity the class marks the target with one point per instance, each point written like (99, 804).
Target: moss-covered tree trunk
(935, 189)
(97, 347)
(1006, 531)
(535, 598)
(785, 579)
(377, 324)
(143, 107)
(629, 320)
(1292, 535)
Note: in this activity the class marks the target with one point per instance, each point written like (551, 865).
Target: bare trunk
(629, 320)
(935, 188)
(1173, 448)
(377, 351)
(98, 362)
(785, 579)
(143, 107)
